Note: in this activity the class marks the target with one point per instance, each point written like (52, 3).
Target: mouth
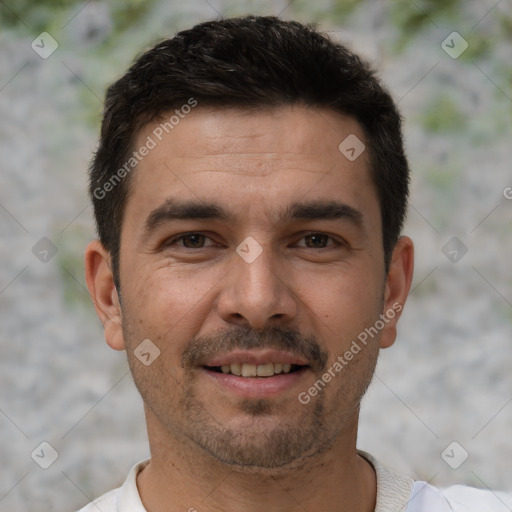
(249, 370)
(257, 374)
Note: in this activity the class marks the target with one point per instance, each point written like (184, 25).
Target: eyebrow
(177, 209)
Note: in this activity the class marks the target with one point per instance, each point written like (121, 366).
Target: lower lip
(257, 386)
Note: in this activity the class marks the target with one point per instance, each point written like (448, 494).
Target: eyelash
(173, 241)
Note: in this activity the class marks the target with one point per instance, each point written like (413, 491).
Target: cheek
(165, 306)
(342, 305)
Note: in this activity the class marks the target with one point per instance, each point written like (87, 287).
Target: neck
(181, 476)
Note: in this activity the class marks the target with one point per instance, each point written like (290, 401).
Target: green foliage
(478, 46)
(36, 16)
(442, 116)
(341, 9)
(411, 17)
(506, 24)
(44, 15)
(506, 35)
(442, 179)
(336, 14)
(129, 12)
(70, 256)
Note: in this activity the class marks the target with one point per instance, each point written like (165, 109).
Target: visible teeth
(256, 370)
(265, 370)
(248, 370)
(235, 369)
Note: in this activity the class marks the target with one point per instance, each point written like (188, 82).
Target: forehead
(291, 131)
(267, 158)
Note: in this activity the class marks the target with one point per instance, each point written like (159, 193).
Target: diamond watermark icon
(249, 249)
(454, 249)
(454, 455)
(146, 352)
(44, 45)
(351, 147)
(44, 455)
(454, 45)
(44, 250)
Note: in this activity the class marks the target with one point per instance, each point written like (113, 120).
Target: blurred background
(440, 405)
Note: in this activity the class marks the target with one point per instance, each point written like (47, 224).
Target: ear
(398, 284)
(100, 281)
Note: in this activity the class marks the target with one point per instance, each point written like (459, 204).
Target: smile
(255, 370)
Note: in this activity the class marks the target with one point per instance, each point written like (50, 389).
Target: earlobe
(100, 281)
(398, 284)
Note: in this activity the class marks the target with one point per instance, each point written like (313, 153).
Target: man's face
(291, 276)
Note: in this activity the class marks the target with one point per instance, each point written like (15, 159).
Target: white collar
(393, 489)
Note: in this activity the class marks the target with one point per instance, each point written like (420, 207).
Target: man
(250, 188)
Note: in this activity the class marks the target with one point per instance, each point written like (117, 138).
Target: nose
(257, 294)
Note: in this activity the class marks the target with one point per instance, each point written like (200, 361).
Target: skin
(212, 449)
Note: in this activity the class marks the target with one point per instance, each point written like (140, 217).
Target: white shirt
(395, 493)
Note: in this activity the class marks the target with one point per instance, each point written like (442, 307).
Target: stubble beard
(255, 444)
(272, 445)
(281, 446)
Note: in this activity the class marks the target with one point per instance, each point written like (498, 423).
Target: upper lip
(256, 357)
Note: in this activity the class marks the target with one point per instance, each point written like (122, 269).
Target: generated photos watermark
(151, 142)
(343, 360)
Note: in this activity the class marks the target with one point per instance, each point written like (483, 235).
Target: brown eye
(189, 241)
(317, 240)
(193, 241)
